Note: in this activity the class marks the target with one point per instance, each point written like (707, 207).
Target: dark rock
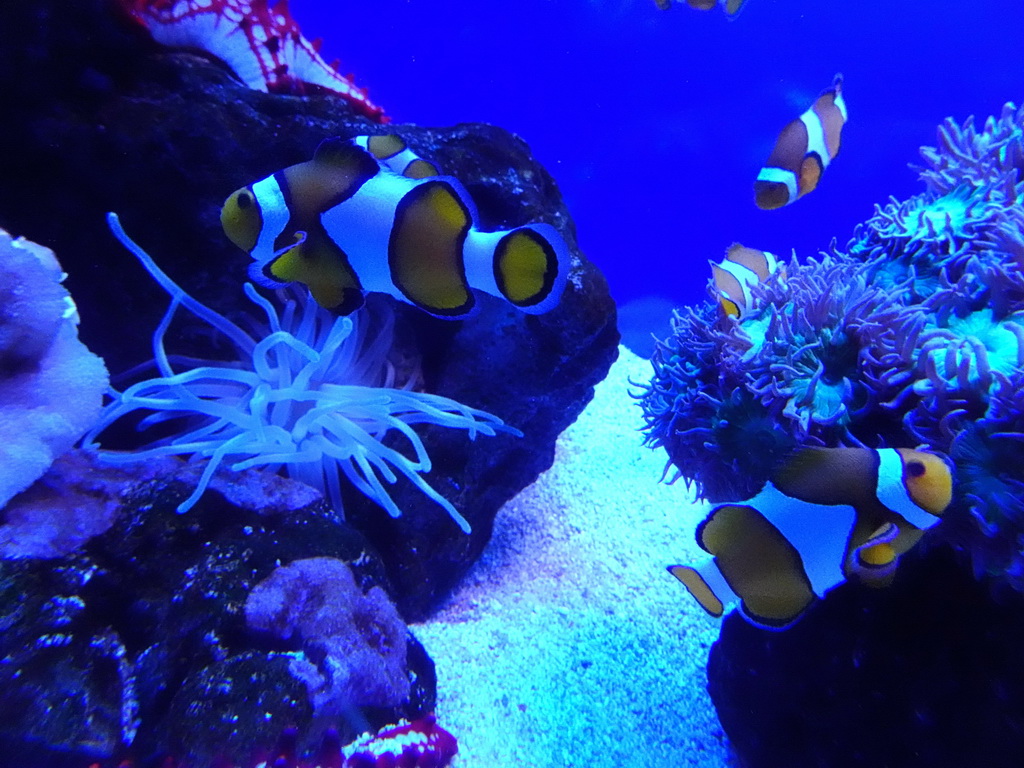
(925, 674)
(139, 635)
(107, 121)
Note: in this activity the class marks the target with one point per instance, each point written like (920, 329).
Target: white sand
(568, 643)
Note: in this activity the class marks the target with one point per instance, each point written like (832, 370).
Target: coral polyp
(314, 396)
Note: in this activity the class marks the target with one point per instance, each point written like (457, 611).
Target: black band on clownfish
(378, 218)
(803, 151)
(826, 515)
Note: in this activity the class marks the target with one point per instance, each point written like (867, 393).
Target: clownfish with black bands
(826, 515)
(731, 7)
(369, 215)
(803, 151)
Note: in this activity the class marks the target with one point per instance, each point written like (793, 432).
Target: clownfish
(369, 215)
(741, 268)
(731, 7)
(803, 151)
(826, 515)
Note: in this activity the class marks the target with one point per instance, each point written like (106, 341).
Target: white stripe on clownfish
(393, 152)
(274, 216)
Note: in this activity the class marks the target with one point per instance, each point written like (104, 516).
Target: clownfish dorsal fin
(337, 151)
(828, 475)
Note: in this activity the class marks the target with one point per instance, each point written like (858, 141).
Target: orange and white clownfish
(826, 515)
(369, 215)
(731, 7)
(803, 151)
(741, 268)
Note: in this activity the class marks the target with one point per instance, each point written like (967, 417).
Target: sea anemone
(965, 154)
(989, 454)
(706, 423)
(827, 345)
(943, 229)
(958, 364)
(314, 396)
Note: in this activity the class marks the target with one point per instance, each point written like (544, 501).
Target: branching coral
(315, 396)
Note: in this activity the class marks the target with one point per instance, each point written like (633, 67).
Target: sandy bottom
(569, 644)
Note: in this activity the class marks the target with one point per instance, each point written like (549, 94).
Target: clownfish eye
(242, 219)
(915, 468)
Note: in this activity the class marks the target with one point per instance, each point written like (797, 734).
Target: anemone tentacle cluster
(966, 155)
(700, 413)
(312, 395)
(912, 335)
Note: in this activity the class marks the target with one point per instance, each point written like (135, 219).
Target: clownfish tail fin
(530, 266)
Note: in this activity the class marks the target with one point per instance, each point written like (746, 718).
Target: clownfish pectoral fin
(322, 268)
(875, 560)
(810, 173)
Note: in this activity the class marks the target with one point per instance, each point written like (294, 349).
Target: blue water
(655, 123)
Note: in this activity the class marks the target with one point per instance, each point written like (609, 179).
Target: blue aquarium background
(655, 124)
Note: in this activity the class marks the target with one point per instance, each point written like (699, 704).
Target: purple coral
(352, 645)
